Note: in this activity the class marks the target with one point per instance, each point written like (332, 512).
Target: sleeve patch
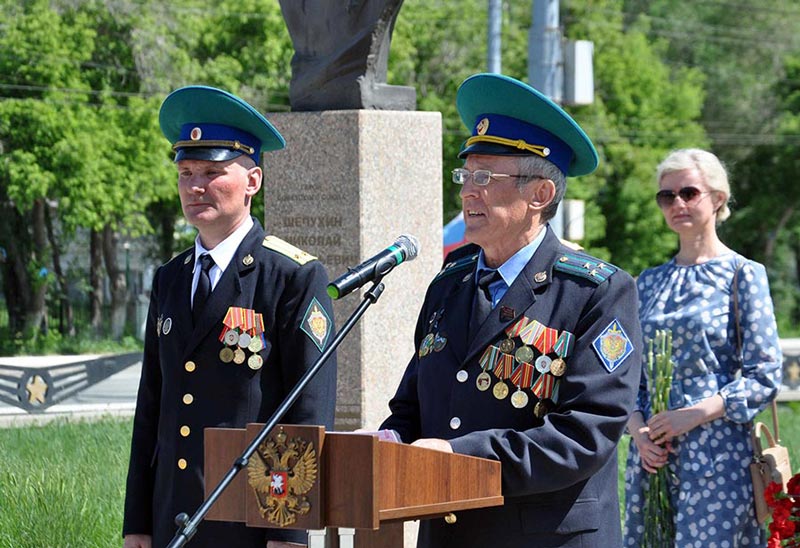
(317, 324)
(285, 248)
(612, 346)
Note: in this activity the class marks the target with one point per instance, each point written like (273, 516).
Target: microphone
(405, 248)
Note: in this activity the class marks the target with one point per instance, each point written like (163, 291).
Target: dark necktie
(203, 286)
(482, 303)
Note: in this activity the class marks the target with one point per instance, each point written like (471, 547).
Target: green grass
(62, 485)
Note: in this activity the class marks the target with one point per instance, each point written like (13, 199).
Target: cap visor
(210, 154)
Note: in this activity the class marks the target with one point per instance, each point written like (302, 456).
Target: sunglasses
(689, 194)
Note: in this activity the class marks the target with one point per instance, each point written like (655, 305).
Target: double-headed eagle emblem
(281, 474)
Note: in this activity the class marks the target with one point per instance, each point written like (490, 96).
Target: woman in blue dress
(704, 437)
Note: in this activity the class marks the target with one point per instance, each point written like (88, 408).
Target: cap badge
(196, 134)
(483, 126)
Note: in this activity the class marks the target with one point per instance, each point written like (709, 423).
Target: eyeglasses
(481, 177)
(689, 194)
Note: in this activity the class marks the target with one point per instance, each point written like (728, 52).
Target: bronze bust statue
(341, 54)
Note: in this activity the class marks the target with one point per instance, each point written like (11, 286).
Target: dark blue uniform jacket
(559, 472)
(183, 359)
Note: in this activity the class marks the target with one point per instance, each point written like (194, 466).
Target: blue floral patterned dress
(711, 489)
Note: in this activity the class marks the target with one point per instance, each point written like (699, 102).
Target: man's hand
(138, 541)
(434, 443)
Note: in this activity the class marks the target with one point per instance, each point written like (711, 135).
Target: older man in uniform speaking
(528, 352)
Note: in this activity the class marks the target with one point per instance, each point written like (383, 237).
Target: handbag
(770, 463)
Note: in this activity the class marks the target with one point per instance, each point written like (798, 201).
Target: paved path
(115, 395)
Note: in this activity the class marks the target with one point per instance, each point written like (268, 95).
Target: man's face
(498, 217)
(215, 196)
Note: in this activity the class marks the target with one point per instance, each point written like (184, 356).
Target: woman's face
(687, 202)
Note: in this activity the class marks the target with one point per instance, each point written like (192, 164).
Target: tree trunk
(772, 237)
(96, 281)
(15, 257)
(119, 286)
(67, 319)
(38, 316)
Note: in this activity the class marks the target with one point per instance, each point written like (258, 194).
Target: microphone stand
(187, 527)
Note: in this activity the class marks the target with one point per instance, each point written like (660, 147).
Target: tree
(749, 113)
(35, 114)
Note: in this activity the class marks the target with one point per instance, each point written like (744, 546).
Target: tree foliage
(83, 160)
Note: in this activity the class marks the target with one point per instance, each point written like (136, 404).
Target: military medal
(546, 339)
(524, 354)
(531, 332)
(519, 399)
(504, 366)
(226, 355)
(243, 328)
(255, 344)
(500, 390)
(512, 331)
(439, 342)
(426, 345)
(543, 387)
(231, 337)
(487, 362)
(562, 347)
(543, 364)
(255, 362)
(557, 367)
(484, 381)
(507, 346)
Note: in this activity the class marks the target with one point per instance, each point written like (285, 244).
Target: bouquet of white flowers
(659, 524)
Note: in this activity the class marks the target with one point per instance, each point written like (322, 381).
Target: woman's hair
(707, 165)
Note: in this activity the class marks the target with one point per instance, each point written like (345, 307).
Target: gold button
(190, 366)
(185, 431)
(188, 398)
(182, 464)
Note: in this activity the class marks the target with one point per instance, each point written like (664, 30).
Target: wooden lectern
(359, 481)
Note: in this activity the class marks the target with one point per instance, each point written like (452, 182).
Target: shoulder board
(585, 266)
(184, 257)
(459, 265)
(285, 248)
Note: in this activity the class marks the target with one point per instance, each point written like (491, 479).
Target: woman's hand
(652, 455)
(667, 425)
(670, 424)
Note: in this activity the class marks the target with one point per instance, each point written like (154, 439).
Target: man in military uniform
(527, 351)
(234, 322)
